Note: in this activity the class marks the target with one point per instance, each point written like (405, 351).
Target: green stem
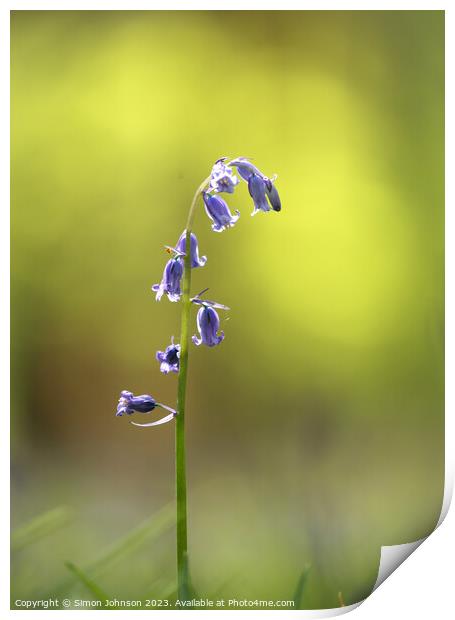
(180, 464)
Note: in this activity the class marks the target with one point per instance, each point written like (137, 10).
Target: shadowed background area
(315, 431)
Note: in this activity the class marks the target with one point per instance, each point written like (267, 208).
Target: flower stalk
(176, 286)
(180, 460)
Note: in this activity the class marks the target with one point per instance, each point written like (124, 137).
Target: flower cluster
(261, 188)
(222, 180)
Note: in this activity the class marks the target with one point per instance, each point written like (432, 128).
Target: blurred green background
(315, 431)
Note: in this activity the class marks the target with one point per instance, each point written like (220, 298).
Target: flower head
(222, 178)
(258, 192)
(219, 213)
(128, 403)
(170, 283)
(196, 261)
(208, 323)
(170, 358)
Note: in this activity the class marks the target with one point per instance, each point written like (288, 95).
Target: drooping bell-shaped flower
(169, 358)
(170, 283)
(257, 189)
(196, 261)
(245, 168)
(219, 212)
(128, 404)
(222, 178)
(248, 171)
(272, 195)
(208, 323)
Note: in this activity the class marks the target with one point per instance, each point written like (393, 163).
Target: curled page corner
(394, 555)
(391, 558)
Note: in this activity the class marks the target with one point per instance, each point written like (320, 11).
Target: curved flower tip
(196, 261)
(170, 358)
(208, 323)
(222, 178)
(166, 418)
(170, 283)
(128, 403)
(218, 211)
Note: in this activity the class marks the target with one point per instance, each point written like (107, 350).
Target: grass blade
(298, 594)
(88, 583)
(39, 527)
(151, 529)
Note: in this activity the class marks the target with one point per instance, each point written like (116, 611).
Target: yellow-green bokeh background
(315, 431)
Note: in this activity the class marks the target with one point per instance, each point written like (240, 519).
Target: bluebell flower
(257, 189)
(219, 213)
(249, 172)
(196, 261)
(245, 168)
(128, 404)
(208, 323)
(170, 358)
(170, 284)
(222, 178)
(272, 195)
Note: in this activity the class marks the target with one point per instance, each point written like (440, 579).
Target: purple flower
(208, 323)
(249, 172)
(257, 189)
(245, 168)
(128, 403)
(170, 358)
(170, 284)
(222, 178)
(219, 213)
(196, 261)
(272, 195)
